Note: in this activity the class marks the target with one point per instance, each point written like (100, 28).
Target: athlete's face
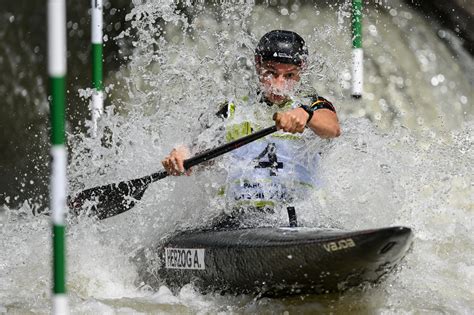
(278, 80)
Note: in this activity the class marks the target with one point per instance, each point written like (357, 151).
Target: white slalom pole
(97, 106)
(357, 72)
(357, 52)
(58, 190)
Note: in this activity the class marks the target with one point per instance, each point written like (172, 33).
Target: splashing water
(405, 158)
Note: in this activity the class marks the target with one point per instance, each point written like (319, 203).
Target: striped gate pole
(357, 52)
(97, 107)
(58, 190)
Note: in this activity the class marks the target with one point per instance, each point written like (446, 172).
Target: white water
(410, 164)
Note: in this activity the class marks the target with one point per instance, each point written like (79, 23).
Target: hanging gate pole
(58, 190)
(357, 52)
(97, 106)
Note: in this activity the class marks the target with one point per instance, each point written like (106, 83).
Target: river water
(405, 158)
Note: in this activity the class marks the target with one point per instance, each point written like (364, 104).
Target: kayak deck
(274, 261)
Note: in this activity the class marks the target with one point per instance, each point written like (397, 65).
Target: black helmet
(282, 46)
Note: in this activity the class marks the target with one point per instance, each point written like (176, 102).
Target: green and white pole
(58, 190)
(357, 52)
(97, 106)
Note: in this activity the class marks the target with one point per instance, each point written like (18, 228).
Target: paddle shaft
(213, 153)
(112, 199)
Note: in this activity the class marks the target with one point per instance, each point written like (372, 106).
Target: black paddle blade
(108, 200)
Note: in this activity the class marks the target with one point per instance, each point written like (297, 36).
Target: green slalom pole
(97, 106)
(357, 52)
(58, 184)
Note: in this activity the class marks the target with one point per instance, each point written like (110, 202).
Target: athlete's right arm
(174, 162)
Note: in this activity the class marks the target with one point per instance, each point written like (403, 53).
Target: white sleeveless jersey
(273, 170)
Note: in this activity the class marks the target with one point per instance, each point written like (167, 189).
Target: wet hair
(282, 46)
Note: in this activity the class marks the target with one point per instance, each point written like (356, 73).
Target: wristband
(309, 110)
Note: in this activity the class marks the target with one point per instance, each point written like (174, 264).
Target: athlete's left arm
(324, 122)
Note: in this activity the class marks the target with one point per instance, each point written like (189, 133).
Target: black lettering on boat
(181, 257)
(341, 244)
(196, 263)
(185, 258)
(188, 259)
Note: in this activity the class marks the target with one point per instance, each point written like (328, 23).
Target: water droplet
(346, 76)
(372, 30)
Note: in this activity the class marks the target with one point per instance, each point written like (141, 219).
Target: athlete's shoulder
(223, 111)
(227, 108)
(206, 119)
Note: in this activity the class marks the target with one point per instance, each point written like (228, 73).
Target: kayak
(274, 261)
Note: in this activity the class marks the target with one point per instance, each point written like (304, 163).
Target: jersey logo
(272, 162)
(185, 258)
